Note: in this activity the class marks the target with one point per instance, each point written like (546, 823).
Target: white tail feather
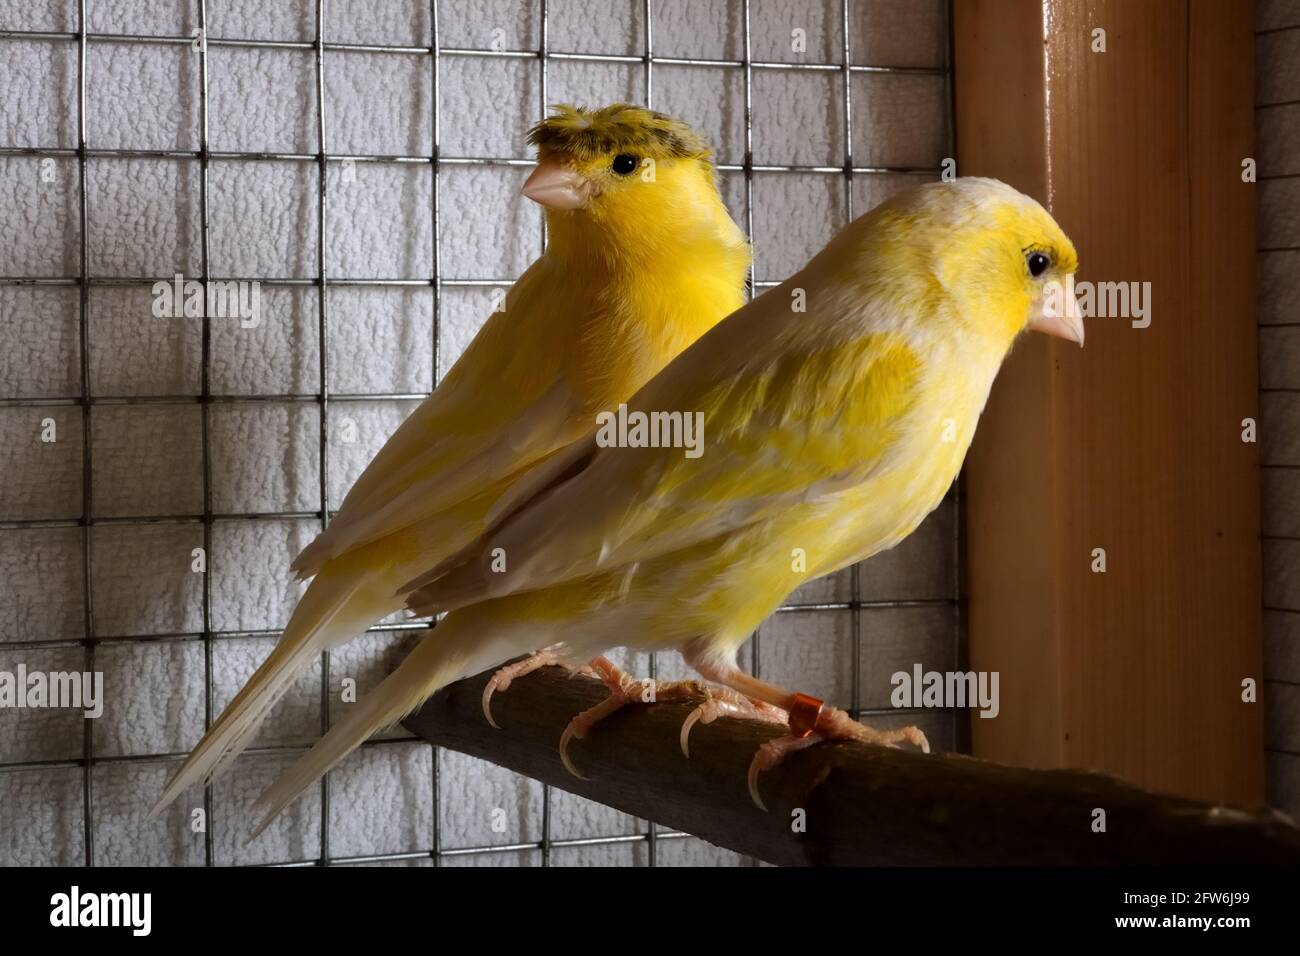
(331, 612)
(456, 648)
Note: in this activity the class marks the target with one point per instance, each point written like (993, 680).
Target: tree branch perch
(863, 805)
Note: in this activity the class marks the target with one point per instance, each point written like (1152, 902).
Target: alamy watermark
(22, 689)
(192, 299)
(947, 689)
(75, 908)
(624, 429)
(1102, 300)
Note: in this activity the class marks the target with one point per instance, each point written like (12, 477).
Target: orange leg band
(804, 711)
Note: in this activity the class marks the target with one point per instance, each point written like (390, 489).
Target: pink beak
(1059, 314)
(555, 186)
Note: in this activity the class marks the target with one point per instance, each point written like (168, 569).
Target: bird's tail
(335, 608)
(461, 645)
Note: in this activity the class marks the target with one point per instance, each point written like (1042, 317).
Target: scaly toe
(501, 680)
(580, 725)
(916, 737)
(720, 704)
(893, 738)
(838, 725)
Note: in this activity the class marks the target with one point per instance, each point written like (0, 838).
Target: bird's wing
(471, 432)
(438, 476)
(789, 414)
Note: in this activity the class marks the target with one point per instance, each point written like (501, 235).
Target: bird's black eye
(623, 164)
(1038, 263)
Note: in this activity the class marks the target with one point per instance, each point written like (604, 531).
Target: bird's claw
(569, 734)
(770, 755)
(624, 689)
(721, 702)
(501, 680)
(832, 724)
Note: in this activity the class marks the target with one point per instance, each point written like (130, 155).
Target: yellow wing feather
(783, 424)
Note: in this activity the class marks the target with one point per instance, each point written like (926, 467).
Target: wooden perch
(863, 805)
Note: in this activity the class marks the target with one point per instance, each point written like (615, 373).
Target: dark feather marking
(587, 134)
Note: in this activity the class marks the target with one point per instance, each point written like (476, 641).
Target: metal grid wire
(1265, 466)
(325, 399)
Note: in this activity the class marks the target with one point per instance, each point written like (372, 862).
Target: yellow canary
(829, 433)
(642, 260)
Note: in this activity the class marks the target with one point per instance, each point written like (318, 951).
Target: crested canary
(832, 432)
(642, 259)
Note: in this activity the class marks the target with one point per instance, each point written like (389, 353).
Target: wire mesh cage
(1277, 112)
(71, 608)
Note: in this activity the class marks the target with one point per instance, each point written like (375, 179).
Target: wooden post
(1134, 444)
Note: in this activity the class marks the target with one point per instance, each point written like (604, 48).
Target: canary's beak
(1057, 313)
(556, 186)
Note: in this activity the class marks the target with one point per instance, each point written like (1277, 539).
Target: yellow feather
(647, 266)
(833, 431)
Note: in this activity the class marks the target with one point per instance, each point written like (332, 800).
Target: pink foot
(729, 703)
(826, 723)
(623, 690)
(501, 679)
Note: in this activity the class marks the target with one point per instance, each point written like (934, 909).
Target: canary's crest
(584, 135)
(607, 162)
(627, 184)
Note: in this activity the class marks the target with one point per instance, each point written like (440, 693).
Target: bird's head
(997, 253)
(630, 172)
